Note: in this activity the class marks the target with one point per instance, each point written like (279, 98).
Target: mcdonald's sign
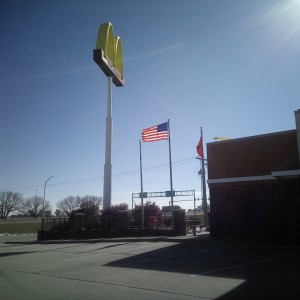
(108, 54)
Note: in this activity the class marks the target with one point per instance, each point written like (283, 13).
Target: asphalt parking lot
(148, 268)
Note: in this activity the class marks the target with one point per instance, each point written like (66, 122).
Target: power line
(117, 175)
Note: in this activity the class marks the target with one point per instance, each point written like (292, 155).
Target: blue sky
(231, 66)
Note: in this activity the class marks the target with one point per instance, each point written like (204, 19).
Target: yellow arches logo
(108, 54)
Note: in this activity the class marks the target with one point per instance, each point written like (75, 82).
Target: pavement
(190, 267)
(26, 237)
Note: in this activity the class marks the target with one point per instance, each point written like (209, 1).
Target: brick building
(254, 185)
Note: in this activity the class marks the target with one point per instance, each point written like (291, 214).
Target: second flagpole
(170, 161)
(142, 192)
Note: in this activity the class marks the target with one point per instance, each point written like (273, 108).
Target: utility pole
(200, 150)
(204, 188)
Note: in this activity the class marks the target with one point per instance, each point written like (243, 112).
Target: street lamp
(42, 229)
(44, 196)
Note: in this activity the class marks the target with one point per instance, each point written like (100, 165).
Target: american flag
(156, 133)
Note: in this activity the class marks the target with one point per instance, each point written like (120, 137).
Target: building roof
(253, 156)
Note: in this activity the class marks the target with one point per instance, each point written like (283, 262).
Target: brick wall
(260, 209)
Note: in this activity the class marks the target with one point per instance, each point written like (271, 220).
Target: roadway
(148, 268)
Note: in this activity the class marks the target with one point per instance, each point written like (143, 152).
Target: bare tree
(9, 202)
(59, 213)
(34, 206)
(91, 205)
(69, 204)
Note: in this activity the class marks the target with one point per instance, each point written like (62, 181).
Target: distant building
(254, 185)
(166, 209)
(47, 213)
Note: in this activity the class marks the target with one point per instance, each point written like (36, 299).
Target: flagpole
(142, 193)
(204, 186)
(170, 161)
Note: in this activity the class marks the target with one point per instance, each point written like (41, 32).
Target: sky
(231, 67)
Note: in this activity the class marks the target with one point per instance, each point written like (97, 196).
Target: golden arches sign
(108, 54)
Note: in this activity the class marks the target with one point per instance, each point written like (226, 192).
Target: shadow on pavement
(15, 253)
(96, 241)
(269, 271)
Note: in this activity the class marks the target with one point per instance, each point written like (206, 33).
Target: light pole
(44, 198)
(42, 229)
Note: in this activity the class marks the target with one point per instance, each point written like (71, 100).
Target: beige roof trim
(241, 179)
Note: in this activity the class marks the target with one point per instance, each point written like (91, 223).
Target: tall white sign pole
(109, 57)
(108, 150)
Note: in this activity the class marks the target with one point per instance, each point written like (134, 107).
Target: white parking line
(103, 253)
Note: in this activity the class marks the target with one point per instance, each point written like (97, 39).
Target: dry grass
(20, 225)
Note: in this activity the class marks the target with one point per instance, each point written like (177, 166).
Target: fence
(52, 222)
(124, 219)
(107, 226)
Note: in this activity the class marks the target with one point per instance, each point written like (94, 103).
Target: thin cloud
(58, 73)
(155, 52)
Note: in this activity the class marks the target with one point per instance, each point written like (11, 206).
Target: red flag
(200, 148)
